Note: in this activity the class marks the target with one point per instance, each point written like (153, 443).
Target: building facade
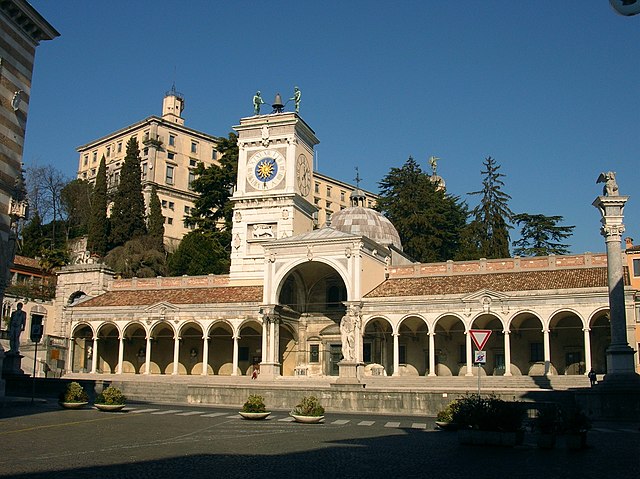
(338, 301)
(23, 28)
(169, 153)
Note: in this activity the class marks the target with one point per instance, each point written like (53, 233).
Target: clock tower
(273, 192)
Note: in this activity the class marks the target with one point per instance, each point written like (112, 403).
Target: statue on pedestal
(16, 326)
(610, 186)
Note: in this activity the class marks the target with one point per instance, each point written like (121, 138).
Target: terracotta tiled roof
(499, 282)
(229, 294)
(24, 261)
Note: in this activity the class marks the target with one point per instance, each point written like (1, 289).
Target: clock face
(303, 175)
(265, 169)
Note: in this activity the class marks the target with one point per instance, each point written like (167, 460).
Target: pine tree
(428, 220)
(98, 235)
(128, 212)
(490, 226)
(155, 220)
(540, 235)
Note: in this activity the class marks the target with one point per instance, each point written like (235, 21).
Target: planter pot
(446, 426)
(576, 441)
(546, 441)
(109, 407)
(254, 415)
(307, 419)
(73, 405)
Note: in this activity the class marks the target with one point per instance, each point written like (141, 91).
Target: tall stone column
(270, 368)
(507, 353)
(205, 355)
(176, 355)
(611, 207)
(94, 357)
(432, 353)
(120, 354)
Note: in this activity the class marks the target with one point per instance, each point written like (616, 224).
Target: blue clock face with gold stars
(265, 169)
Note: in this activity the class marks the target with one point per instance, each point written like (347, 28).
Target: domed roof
(363, 221)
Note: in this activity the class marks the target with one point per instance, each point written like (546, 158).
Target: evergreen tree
(98, 228)
(199, 252)
(212, 210)
(75, 201)
(33, 238)
(128, 211)
(429, 221)
(137, 257)
(541, 235)
(155, 220)
(490, 226)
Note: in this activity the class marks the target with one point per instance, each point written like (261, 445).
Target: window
(145, 170)
(169, 175)
(86, 160)
(314, 353)
(192, 176)
(329, 215)
(145, 152)
(116, 178)
(172, 140)
(328, 191)
(537, 352)
(342, 195)
(366, 352)
(214, 154)
(193, 163)
(636, 267)
(108, 151)
(84, 175)
(119, 147)
(328, 204)
(164, 203)
(95, 156)
(146, 135)
(316, 201)
(317, 190)
(171, 205)
(194, 147)
(169, 221)
(171, 156)
(187, 210)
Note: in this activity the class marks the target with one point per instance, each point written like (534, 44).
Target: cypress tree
(128, 212)
(492, 216)
(97, 241)
(155, 220)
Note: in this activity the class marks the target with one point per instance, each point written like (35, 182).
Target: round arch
(449, 344)
(82, 335)
(566, 341)
(377, 345)
(527, 344)
(413, 343)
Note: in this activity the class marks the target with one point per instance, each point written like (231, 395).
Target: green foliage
(74, 393)
(212, 210)
(201, 252)
(309, 406)
(128, 211)
(492, 217)
(429, 221)
(111, 396)
(33, 290)
(540, 235)
(53, 258)
(33, 239)
(446, 415)
(155, 220)
(488, 414)
(254, 403)
(75, 201)
(137, 257)
(98, 227)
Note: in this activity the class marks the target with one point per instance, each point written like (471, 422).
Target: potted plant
(444, 418)
(546, 424)
(575, 425)
(488, 420)
(110, 399)
(74, 396)
(254, 408)
(308, 411)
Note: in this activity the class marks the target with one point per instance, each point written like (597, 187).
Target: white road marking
(392, 424)
(366, 423)
(168, 411)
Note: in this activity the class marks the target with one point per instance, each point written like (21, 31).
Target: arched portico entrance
(527, 345)
(600, 339)
(494, 347)
(81, 351)
(106, 348)
(377, 347)
(413, 347)
(567, 340)
(450, 346)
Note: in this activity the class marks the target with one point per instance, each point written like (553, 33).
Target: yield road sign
(480, 337)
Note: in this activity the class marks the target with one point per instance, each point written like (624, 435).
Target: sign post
(36, 336)
(480, 338)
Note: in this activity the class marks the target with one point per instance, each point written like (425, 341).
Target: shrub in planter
(444, 418)
(254, 404)
(309, 406)
(74, 393)
(111, 396)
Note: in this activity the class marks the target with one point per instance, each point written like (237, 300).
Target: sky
(548, 88)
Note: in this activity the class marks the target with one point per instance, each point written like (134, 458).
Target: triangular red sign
(480, 337)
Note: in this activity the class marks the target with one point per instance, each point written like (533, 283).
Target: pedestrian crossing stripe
(214, 414)
(419, 425)
(140, 411)
(168, 411)
(190, 413)
(392, 424)
(340, 422)
(366, 423)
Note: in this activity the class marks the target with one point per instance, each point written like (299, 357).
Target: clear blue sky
(549, 88)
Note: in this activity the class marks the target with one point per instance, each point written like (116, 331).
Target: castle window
(194, 147)
(119, 147)
(172, 140)
(636, 267)
(169, 175)
(314, 353)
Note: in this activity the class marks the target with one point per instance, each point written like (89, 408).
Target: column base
(615, 398)
(620, 360)
(11, 366)
(269, 371)
(350, 373)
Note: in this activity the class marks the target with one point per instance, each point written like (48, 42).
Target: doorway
(335, 356)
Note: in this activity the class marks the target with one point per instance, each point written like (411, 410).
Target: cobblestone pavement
(160, 441)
